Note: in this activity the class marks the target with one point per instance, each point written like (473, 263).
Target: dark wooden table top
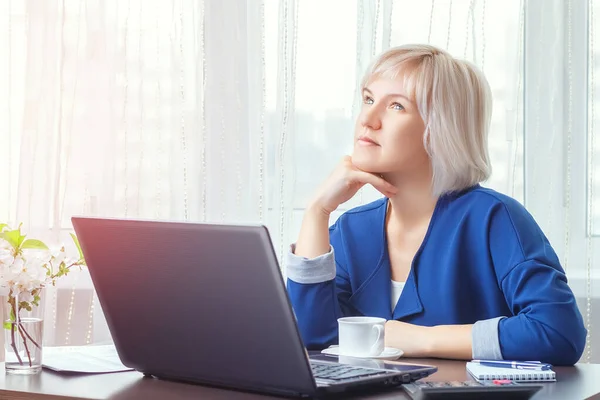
(579, 382)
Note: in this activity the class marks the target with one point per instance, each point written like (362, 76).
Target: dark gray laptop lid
(196, 302)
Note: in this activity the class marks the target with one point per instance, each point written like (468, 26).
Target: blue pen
(529, 365)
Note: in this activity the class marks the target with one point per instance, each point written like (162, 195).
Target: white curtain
(234, 111)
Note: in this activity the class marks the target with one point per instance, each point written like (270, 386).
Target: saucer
(389, 353)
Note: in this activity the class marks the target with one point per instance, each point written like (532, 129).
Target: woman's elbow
(578, 343)
(567, 347)
(575, 336)
(554, 342)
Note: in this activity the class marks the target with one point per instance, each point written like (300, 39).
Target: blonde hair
(455, 102)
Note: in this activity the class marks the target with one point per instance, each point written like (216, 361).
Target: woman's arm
(442, 341)
(318, 286)
(319, 290)
(313, 240)
(546, 324)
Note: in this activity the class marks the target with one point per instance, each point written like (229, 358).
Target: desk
(579, 382)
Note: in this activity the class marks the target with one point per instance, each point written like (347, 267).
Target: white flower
(7, 276)
(36, 264)
(27, 272)
(25, 296)
(6, 257)
(17, 266)
(58, 255)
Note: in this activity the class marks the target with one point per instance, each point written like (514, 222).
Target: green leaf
(13, 237)
(78, 245)
(2, 226)
(7, 325)
(34, 244)
(21, 237)
(13, 317)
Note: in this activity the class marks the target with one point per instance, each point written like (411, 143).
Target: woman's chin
(365, 163)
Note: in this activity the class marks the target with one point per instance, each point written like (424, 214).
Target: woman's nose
(370, 119)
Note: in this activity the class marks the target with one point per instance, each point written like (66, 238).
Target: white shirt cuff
(485, 341)
(310, 270)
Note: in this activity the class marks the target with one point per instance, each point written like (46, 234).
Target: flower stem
(30, 338)
(12, 343)
(25, 344)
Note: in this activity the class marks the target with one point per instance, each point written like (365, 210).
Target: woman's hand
(344, 182)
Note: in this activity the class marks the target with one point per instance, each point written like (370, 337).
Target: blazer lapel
(373, 297)
(410, 302)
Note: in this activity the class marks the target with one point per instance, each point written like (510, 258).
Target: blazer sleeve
(546, 324)
(319, 290)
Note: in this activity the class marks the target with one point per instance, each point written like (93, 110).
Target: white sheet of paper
(84, 359)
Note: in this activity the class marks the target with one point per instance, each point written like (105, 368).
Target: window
(133, 108)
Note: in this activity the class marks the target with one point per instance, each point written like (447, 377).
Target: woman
(458, 270)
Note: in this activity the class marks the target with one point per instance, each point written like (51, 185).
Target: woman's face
(389, 131)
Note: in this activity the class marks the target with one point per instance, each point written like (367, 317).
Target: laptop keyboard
(338, 372)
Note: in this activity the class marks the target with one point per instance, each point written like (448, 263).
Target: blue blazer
(483, 256)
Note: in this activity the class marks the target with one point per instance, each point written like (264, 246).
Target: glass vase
(23, 337)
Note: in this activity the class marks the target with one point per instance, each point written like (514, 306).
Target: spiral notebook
(485, 373)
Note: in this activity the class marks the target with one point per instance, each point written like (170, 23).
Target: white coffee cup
(361, 336)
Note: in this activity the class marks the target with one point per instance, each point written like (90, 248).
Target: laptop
(207, 304)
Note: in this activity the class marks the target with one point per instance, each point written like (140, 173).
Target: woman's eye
(368, 100)
(397, 106)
